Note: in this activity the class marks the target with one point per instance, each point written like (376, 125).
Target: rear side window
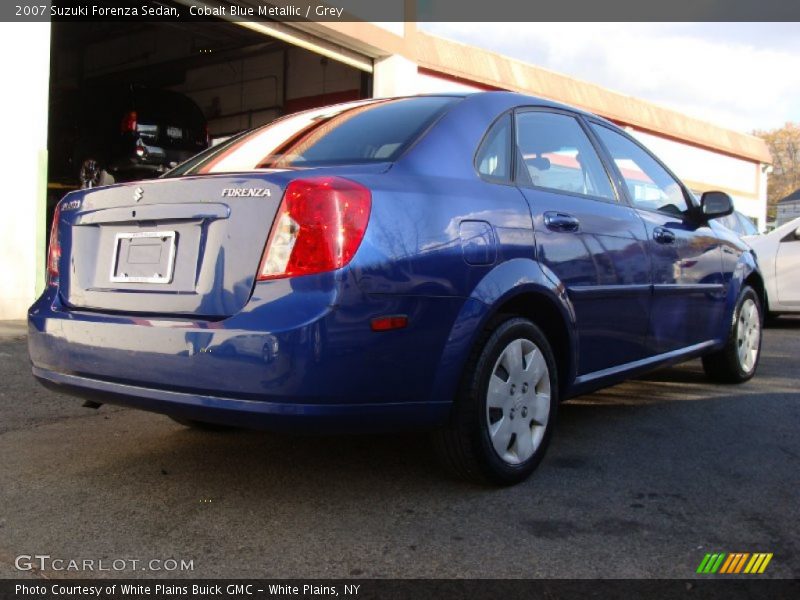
(493, 159)
(357, 132)
(650, 185)
(556, 153)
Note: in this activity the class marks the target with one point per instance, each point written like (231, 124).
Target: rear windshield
(357, 132)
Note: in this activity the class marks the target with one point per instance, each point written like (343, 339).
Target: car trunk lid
(170, 246)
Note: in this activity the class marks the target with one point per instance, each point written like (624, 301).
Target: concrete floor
(642, 480)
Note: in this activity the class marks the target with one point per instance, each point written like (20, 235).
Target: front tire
(737, 361)
(503, 417)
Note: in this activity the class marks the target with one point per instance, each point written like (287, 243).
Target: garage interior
(239, 77)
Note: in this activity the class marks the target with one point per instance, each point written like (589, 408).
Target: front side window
(555, 153)
(365, 131)
(493, 159)
(650, 186)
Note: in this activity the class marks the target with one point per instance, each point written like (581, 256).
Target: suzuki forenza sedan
(456, 263)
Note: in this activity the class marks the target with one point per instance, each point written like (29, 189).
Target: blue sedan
(457, 263)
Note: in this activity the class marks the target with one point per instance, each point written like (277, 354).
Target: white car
(778, 255)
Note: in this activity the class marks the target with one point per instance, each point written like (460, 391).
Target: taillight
(54, 250)
(128, 124)
(319, 226)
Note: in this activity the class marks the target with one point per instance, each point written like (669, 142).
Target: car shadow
(688, 373)
(257, 462)
(785, 322)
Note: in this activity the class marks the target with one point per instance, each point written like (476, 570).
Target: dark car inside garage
(130, 102)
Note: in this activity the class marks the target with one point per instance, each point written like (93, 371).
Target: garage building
(243, 74)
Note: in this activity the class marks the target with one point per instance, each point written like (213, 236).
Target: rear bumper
(253, 414)
(271, 366)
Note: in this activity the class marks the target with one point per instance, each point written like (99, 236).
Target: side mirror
(715, 205)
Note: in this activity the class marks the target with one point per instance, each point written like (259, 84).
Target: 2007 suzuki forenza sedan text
(457, 263)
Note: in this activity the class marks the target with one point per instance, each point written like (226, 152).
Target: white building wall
(698, 164)
(23, 120)
(430, 84)
(766, 171)
(394, 76)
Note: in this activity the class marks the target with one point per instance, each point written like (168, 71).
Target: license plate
(143, 257)
(175, 132)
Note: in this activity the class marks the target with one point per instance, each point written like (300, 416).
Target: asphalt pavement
(642, 480)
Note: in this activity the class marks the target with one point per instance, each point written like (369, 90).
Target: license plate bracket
(143, 257)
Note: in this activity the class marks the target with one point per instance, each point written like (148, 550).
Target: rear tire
(737, 361)
(505, 411)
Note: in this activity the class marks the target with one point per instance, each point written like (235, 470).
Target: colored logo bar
(734, 563)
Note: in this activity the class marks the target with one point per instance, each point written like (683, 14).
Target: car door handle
(662, 235)
(556, 221)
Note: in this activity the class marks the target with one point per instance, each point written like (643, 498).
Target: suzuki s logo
(138, 193)
(246, 193)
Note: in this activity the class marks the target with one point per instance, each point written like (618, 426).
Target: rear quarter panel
(428, 212)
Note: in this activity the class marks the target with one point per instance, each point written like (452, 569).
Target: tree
(784, 145)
